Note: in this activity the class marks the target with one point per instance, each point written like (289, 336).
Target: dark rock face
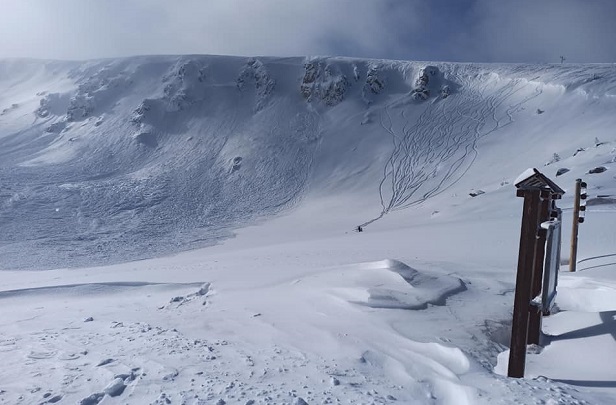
(597, 170)
(430, 81)
(562, 171)
(323, 82)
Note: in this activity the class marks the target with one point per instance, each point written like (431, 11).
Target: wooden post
(575, 226)
(519, 327)
(534, 317)
(538, 192)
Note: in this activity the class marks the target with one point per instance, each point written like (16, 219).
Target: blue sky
(533, 31)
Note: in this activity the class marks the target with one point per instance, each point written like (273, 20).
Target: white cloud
(481, 30)
(543, 30)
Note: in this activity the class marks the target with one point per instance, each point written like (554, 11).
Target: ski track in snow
(109, 161)
(433, 153)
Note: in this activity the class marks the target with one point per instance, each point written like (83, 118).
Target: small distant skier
(359, 228)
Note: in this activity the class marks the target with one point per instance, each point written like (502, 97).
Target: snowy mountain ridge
(159, 154)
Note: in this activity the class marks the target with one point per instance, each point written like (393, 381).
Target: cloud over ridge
(464, 30)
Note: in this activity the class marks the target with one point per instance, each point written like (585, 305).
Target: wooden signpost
(539, 194)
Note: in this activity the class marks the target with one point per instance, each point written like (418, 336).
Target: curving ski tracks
(435, 151)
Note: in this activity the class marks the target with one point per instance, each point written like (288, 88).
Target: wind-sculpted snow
(116, 160)
(394, 285)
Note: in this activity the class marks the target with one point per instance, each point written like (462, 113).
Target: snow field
(270, 164)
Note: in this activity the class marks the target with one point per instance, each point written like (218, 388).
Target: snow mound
(390, 284)
(584, 294)
(409, 289)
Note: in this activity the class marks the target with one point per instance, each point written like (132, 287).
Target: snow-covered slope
(118, 160)
(112, 161)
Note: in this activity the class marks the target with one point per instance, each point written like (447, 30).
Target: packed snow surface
(183, 230)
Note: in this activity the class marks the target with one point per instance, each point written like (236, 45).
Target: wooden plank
(519, 327)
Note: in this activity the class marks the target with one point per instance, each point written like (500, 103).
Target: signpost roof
(532, 179)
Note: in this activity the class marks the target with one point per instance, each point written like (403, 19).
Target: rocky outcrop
(430, 82)
(52, 104)
(323, 83)
(81, 106)
(95, 93)
(140, 113)
(422, 89)
(255, 72)
(374, 84)
(184, 85)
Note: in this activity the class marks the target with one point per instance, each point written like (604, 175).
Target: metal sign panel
(552, 264)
